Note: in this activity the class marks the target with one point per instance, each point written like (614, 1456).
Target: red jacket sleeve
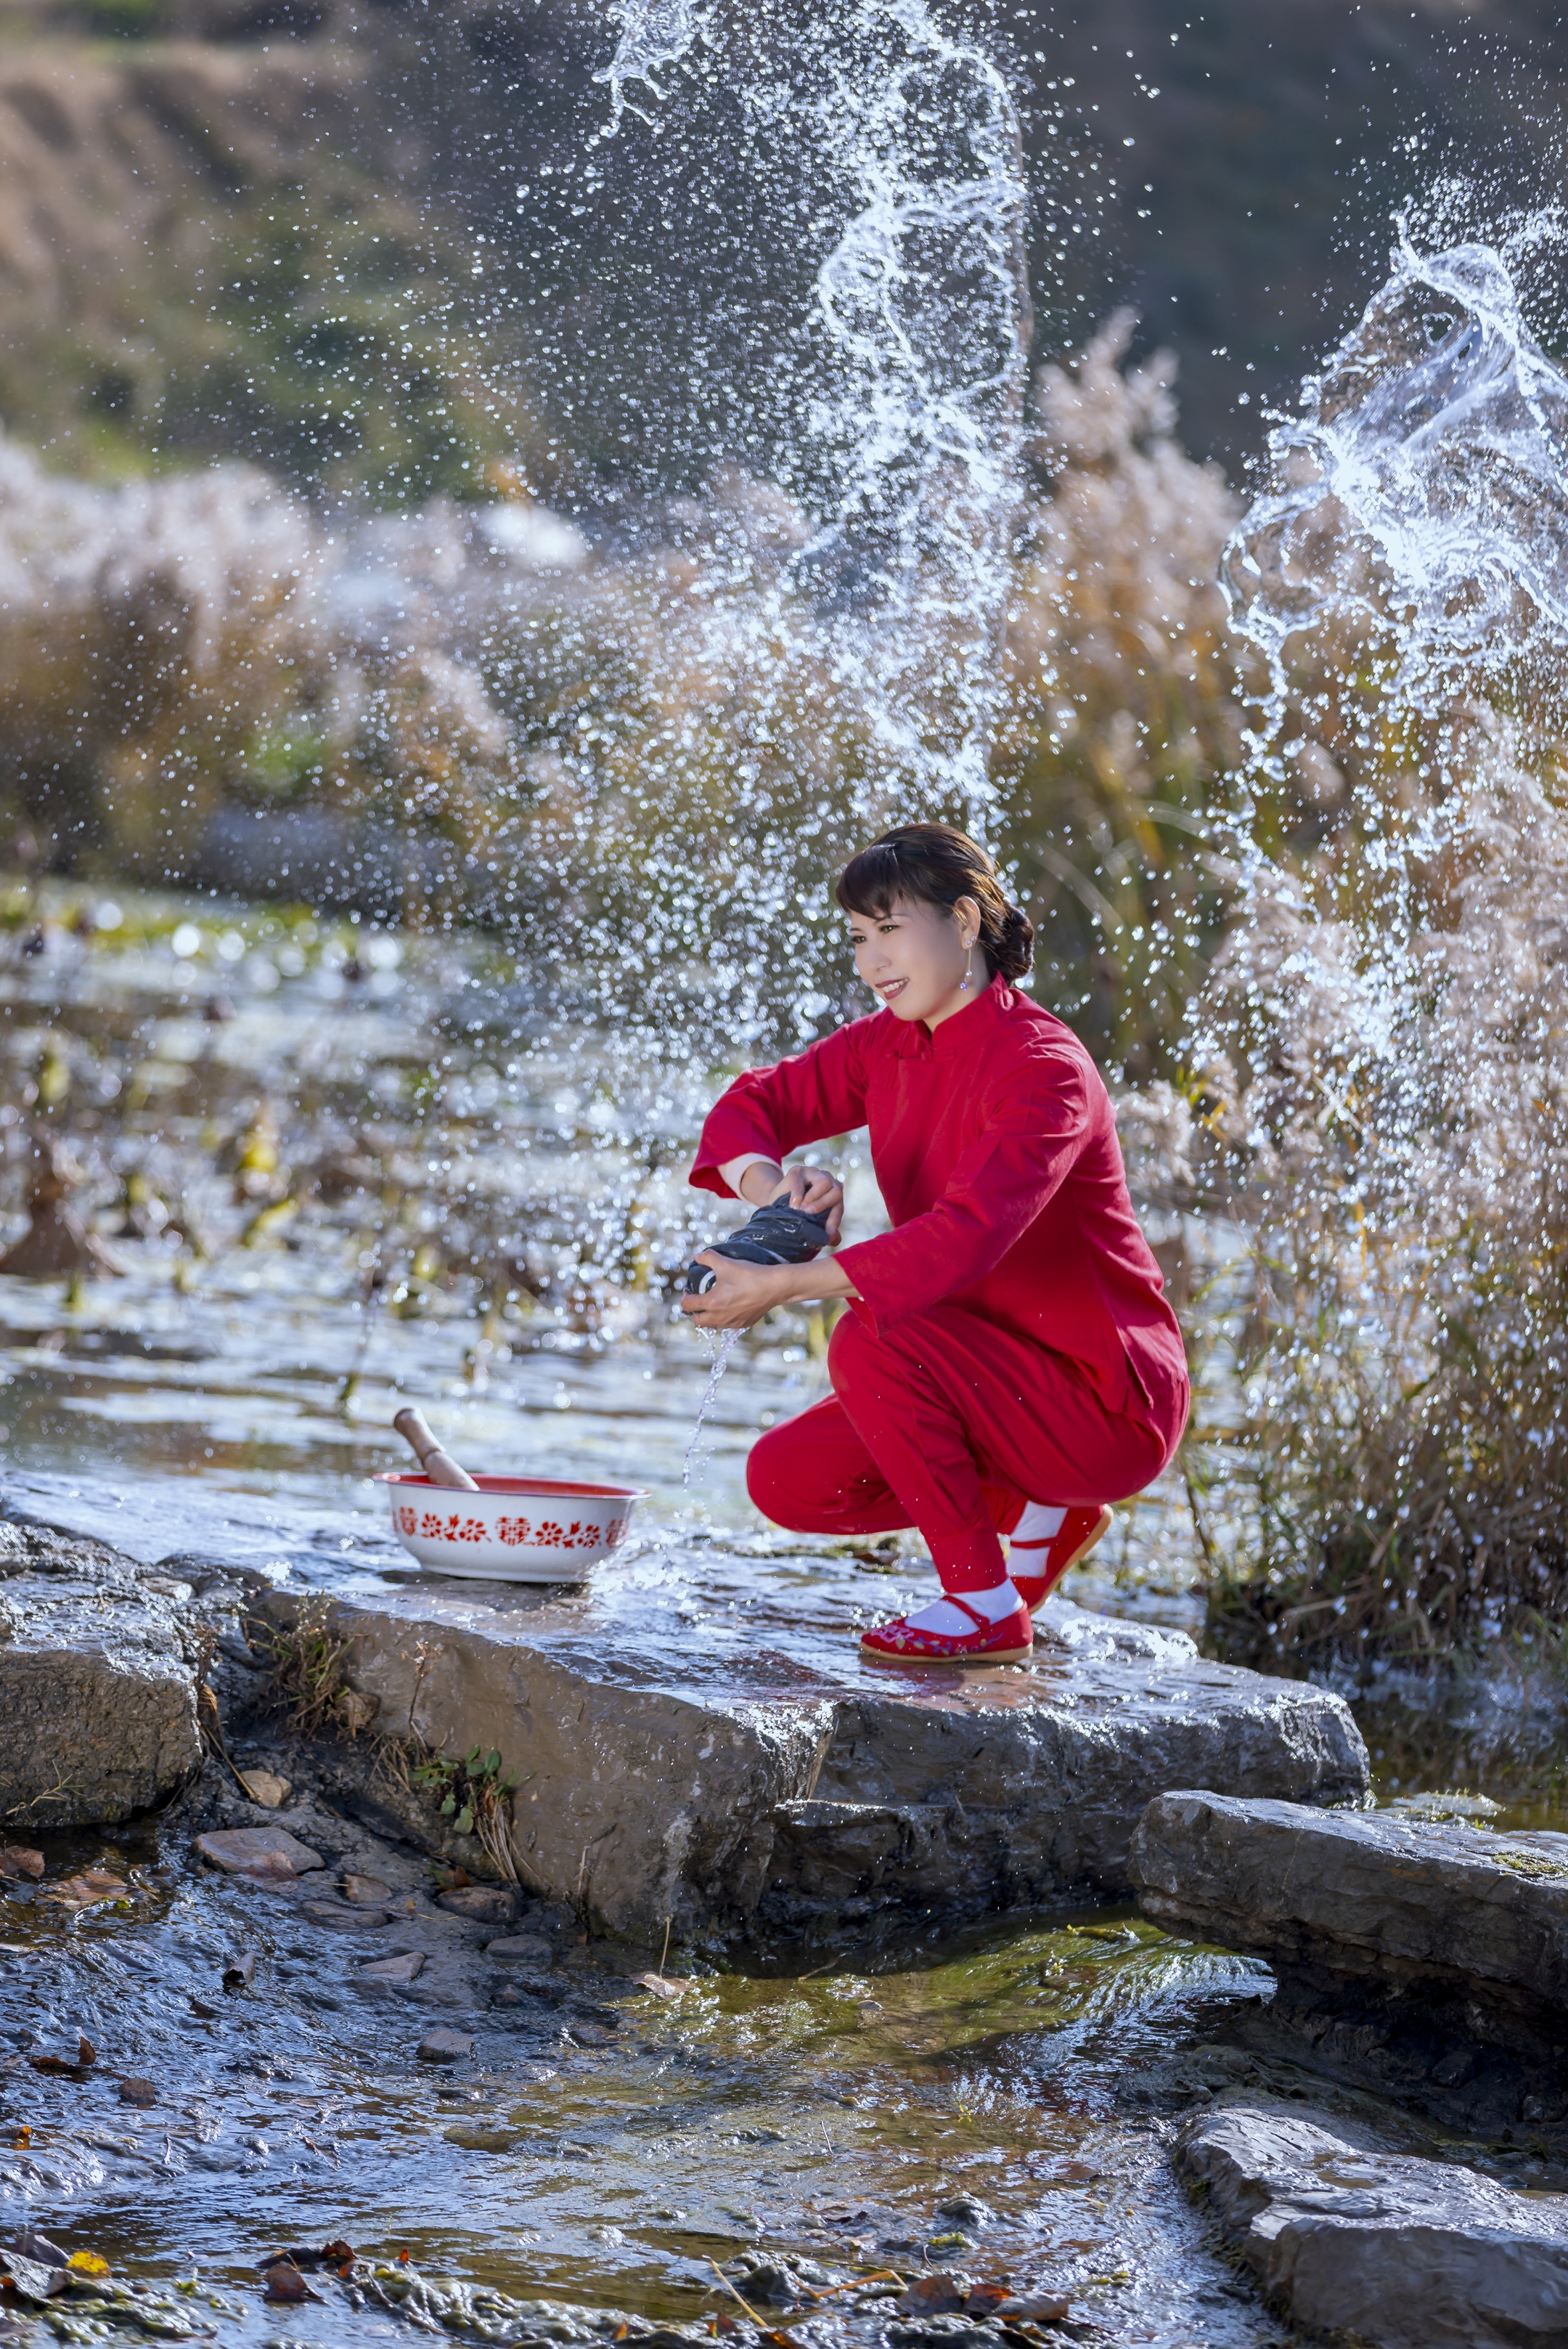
(1033, 1136)
(821, 1091)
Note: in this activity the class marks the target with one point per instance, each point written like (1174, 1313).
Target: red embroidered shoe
(1006, 1642)
(1034, 1567)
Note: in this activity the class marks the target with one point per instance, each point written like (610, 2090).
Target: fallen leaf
(22, 2135)
(286, 2282)
(20, 1860)
(72, 2066)
(984, 2299)
(338, 2255)
(87, 2263)
(355, 1710)
(660, 1985)
(87, 1889)
(1035, 2308)
(932, 2295)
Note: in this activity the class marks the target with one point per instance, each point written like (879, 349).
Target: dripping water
(720, 1345)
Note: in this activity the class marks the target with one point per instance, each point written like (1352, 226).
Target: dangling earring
(968, 978)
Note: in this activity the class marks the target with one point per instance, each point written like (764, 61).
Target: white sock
(1039, 1523)
(995, 1605)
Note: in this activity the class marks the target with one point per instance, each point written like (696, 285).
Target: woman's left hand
(741, 1293)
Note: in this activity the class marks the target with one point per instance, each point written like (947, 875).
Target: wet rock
(284, 2283)
(366, 1891)
(241, 1971)
(345, 1920)
(138, 2092)
(966, 2211)
(528, 1948)
(21, 1860)
(1361, 1891)
(402, 1969)
(679, 1763)
(1395, 2251)
(97, 1686)
(1421, 1957)
(267, 1852)
(33, 2283)
(482, 1904)
(445, 2047)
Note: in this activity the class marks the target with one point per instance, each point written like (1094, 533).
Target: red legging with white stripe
(924, 1428)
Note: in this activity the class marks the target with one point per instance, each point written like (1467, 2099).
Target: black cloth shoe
(777, 1233)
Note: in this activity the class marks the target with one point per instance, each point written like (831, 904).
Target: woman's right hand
(811, 1189)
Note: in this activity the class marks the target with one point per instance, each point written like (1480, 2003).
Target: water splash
(720, 1346)
(925, 303)
(1389, 1103)
(1424, 488)
(838, 663)
(654, 34)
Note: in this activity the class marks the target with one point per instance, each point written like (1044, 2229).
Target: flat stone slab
(1362, 1893)
(698, 1741)
(98, 1684)
(1424, 1957)
(1392, 2250)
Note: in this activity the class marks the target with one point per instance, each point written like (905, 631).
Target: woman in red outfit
(1009, 1363)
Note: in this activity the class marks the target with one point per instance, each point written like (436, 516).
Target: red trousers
(927, 1427)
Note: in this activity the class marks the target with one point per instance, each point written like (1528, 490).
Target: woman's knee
(851, 1351)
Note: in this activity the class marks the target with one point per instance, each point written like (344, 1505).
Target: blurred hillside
(354, 239)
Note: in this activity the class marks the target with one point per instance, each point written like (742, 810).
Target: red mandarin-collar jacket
(995, 1146)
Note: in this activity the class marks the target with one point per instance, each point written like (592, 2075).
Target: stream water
(344, 1167)
(1002, 2106)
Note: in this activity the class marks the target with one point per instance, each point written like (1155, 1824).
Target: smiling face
(912, 956)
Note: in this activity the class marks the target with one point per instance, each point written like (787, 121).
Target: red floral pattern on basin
(547, 1535)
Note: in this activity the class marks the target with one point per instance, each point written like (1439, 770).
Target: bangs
(874, 882)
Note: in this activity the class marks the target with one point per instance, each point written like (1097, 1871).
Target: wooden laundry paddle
(438, 1465)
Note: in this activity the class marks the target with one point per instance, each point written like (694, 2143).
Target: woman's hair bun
(1014, 951)
(935, 864)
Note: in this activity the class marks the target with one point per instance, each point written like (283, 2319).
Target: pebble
(20, 1860)
(369, 1891)
(138, 2092)
(264, 1786)
(346, 1919)
(393, 1970)
(445, 2047)
(482, 1904)
(530, 1946)
(258, 1851)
